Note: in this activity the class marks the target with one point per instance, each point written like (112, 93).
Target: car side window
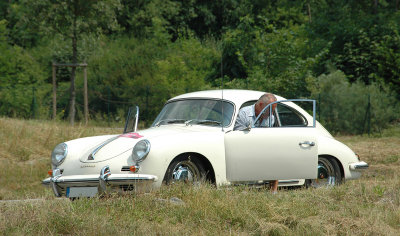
(289, 117)
(252, 102)
(248, 103)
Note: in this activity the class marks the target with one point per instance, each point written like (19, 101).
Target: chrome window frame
(269, 106)
(203, 98)
(127, 120)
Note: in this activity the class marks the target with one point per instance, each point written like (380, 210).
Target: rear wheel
(329, 173)
(187, 169)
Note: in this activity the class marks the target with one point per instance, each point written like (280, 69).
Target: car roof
(237, 96)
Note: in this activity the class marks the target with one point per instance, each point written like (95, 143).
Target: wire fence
(361, 120)
(110, 104)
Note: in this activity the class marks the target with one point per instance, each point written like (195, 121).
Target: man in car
(247, 117)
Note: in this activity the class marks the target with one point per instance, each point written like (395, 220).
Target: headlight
(59, 153)
(140, 151)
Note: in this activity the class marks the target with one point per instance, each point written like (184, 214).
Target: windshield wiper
(170, 121)
(203, 122)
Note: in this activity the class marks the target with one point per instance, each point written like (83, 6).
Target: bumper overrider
(358, 166)
(90, 185)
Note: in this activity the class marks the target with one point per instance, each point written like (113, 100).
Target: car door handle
(307, 143)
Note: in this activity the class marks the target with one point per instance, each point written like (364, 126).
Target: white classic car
(193, 140)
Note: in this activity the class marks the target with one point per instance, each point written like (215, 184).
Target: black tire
(187, 169)
(329, 173)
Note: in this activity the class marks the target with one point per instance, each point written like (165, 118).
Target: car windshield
(196, 111)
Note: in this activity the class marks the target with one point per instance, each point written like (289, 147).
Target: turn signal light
(50, 172)
(134, 169)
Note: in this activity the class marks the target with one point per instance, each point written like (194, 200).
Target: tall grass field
(367, 206)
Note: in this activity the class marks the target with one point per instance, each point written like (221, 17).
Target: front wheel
(329, 173)
(187, 169)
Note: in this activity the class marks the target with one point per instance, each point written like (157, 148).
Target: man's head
(263, 101)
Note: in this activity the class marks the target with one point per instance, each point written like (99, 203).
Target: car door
(289, 150)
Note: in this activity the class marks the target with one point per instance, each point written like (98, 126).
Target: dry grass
(25, 150)
(368, 206)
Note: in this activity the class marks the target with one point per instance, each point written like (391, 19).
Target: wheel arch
(206, 163)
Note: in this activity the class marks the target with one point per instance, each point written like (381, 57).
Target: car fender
(345, 156)
(165, 149)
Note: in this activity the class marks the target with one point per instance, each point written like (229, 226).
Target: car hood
(123, 144)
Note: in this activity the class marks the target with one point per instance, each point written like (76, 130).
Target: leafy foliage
(147, 74)
(20, 74)
(144, 52)
(353, 108)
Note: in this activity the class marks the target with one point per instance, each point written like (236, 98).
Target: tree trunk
(72, 91)
(375, 10)
(72, 95)
(74, 61)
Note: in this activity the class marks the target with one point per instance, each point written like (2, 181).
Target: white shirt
(247, 117)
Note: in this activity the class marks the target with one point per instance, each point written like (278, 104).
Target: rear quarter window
(289, 117)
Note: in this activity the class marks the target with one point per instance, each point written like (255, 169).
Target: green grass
(367, 206)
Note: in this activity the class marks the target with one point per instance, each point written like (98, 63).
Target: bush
(131, 71)
(20, 79)
(352, 108)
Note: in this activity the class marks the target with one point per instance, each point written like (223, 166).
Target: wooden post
(85, 91)
(54, 93)
(85, 95)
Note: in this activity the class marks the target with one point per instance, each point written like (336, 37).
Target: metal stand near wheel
(329, 173)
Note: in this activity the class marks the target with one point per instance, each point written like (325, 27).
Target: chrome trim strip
(288, 182)
(91, 156)
(262, 182)
(114, 178)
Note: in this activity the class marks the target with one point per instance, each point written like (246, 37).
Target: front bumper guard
(358, 166)
(103, 181)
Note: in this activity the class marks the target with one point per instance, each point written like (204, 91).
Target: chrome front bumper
(358, 166)
(103, 181)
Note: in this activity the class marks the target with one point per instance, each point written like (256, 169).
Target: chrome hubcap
(182, 173)
(185, 171)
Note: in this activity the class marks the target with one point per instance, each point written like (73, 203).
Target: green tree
(361, 37)
(20, 74)
(72, 19)
(351, 107)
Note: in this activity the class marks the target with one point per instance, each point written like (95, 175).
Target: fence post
(54, 93)
(108, 104)
(369, 114)
(319, 107)
(146, 116)
(85, 95)
(367, 118)
(34, 104)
